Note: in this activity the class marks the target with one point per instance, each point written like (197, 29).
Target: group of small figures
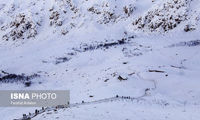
(123, 97)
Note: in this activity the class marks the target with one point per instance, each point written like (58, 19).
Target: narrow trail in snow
(111, 99)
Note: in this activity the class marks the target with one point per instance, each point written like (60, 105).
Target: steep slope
(169, 14)
(146, 52)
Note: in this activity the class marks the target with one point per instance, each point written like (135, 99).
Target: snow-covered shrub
(189, 27)
(111, 11)
(163, 18)
(54, 19)
(22, 27)
(63, 16)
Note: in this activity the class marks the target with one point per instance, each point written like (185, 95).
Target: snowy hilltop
(120, 59)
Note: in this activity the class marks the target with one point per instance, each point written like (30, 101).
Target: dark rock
(121, 78)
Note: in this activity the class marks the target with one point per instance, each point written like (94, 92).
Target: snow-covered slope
(148, 50)
(169, 14)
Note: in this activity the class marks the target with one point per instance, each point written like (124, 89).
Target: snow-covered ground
(87, 46)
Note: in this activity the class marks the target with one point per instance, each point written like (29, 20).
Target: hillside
(145, 52)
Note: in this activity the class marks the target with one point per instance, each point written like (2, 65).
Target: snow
(173, 94)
